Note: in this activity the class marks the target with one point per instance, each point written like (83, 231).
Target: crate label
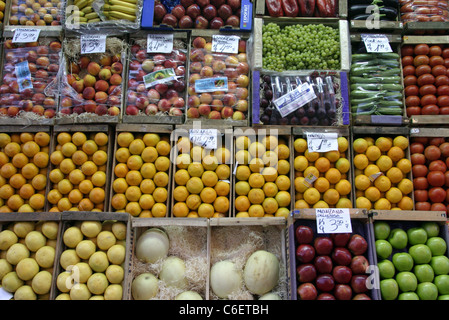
(309, 180)
(294, 99)
(376, 43)
(93, 43)
(158, 77)
(159, 43)
(25, 35)
(206, 138)
(333, 220)
(211, 84)
(322, 141)
(374, 176)
(23, 75)
(5, 295)
(225, 44)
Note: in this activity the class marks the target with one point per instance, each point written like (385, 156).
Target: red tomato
(446, 179)
(427, 89)
(419, 170)
(418, 158)
(443, 101)
(412, 90)
(439, 70)
(423, 140)
(432, 153)
(444, 147)
(438, 207)
(444, 110)
(430, 109)
(407, 61)
(437, 194)
(427, 78)
(413, 111)
(436, 178)
(408, 70)
(411, 79)
(445, 53)
(423, 206)
(422, 48)
(428, 99)
(443, 90)
(412, 101)
(437, 165)
(407, 50)
(423, 69)
(420, 183)
(441, 80)
(446, 62)
(435, 50)
(436, 141)
(447, 162)
(421, 195)
(436, 61)
(416, 147)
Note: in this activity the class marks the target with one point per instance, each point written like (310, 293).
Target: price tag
(160, 43)
(93, 43)
(225, 44)
(206, 138)
(5, 295)
(294, 99)
(23, 75)
(376, 43)
(25, 35)
(322, 142)
(333, 220)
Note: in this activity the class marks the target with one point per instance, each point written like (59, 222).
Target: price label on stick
(225, 44)
(376, 43)
(160, 43)
(206, 138)
(322, 141)
(93, 43)
(333, 220)
(25, 35)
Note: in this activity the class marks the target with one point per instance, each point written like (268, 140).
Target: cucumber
(390, 111)
(365, 100)
(376, 86)
(361, 94)
(390, 103)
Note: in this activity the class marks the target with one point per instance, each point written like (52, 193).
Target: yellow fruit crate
(135, 164)
(263, 172)
(93, 259)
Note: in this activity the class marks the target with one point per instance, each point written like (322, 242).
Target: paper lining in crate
(29, 247)
(173, 256)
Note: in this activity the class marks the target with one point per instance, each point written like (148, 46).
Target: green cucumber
(361, 94)
(390, 111)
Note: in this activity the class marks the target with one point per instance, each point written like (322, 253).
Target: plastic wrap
(387, 10)
(30, 79)
(91, 84)
(36, 13)
(419, 10)
(302, 8)
(162, 95)
(226, 97)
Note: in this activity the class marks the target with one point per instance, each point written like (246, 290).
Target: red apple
(307, 291)
(357, 244)
(305, 253)
(303, 234)
(323, 264)
(342, 274)
(323, 245)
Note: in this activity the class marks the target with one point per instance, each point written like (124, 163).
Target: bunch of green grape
(300, 47)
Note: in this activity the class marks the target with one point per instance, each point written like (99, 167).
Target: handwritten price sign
(93, 43)
(225, 44)
(333, 221)
(206, 138)
(322, 142)
(376, 43)
(160, 43)
(25, 35)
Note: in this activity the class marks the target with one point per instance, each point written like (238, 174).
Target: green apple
(437, 245)
(389, 289)
(443, 297)
(407, 281)
(420, 253)
(432, 228)
(402, 261)
(398, 238)
(424, 272)
(442, 283)
(427, 291)
(416, 235)
(386, 269)
(381, 230)
(440, 265)
(408, 296)
(383, 248)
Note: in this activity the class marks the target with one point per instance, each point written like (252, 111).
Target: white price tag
(160, 43)
(25, 35)
(376, 43)
(5, 295)
(206, 138)
(225, 44)
(322, 141)
(333, 220)
(295, 99)
(93, 43)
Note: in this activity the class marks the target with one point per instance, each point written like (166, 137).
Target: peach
(68, 110)
(116, 57)
(105, 60)
(193, 113)
(206, 71)
(199, 42)
(163, 105)
(132, 97)
(55, 46)
(84, 62)
(238, 115)
(208, 59)
(151, 109)
(49, 102)
(93, 68)
(66, 102)
(197, 55)
(117, 67)
(132, 110)
(147, 65)
(89, 80)
(217, 105)
(153, 95)
(42, 50)
(204, 109)
(227, 112)
(195, 67)
(218, 65)
(214, 115)
(71, 78)
(229, 99)
(114, 100)
(193, 101)
(104, 74)
(89, 93)
(242, 68)
(206, 98)
(53, 67)
(115, 89)
(142, 102)
(43, 61)
(101, 97)
(41, 74)
(178, 102)
(31, 56)
(90, 106)
(26, 105)
(101, 110)
(232, 61)
(13, 111)
(242, 105)
(242, 46)
(38, 98)
(74, 68)
(242, 80)
(113, 111)
(241, 93)
(193, 77)
(116, 79)
(49, 113)
(101, 85)
(175, 112)
(38, 109)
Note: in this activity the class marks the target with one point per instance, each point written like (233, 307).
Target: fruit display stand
(32, 97)
(322, 179)
(24, 172)
(202, 179)
(225, 101)
(141, 170)
(169, 259)
(92, 85)
(303, 10)
(323, 269)
(92, 261)
(235, 244)
(262, 172)
(79, 176)
(382, 172)
(30, 244)
(197, 14)
(429, 166)
(164, 100)
(422, 111)
(411, 265)
(388, 85)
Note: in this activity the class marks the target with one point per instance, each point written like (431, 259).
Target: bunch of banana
(85, 11)
(120, 9)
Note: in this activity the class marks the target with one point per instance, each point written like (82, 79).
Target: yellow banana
(92, 15)
(94, 20)
(123, 9)
(121, 15)
(79, 19)
(81, 4)
(106, 7)
(87, 10)
(121, 3)
(130, 1)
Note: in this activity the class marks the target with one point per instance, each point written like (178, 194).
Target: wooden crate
(189, 240)
(140, 130)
